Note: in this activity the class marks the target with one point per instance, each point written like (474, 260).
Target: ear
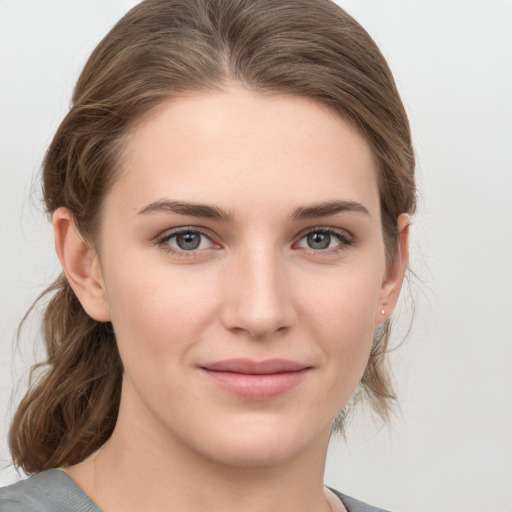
(81, 266)
(395, 272)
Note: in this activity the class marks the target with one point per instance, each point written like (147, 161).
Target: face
(242, 265)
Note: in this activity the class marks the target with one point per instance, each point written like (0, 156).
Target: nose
(257, 295)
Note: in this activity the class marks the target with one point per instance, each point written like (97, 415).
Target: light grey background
(451, 446)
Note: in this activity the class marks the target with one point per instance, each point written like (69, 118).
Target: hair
(158, 50)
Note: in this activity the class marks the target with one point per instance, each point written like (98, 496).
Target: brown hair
(161, 48)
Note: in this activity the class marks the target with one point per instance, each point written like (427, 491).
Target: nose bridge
(257, 295)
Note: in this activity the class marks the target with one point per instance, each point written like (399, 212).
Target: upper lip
(249, 367)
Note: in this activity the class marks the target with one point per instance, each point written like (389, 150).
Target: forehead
(242, 148)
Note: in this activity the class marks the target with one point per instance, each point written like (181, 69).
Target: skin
(254, 289)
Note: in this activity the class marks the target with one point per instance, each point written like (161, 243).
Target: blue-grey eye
(189, 241)
(321, 240)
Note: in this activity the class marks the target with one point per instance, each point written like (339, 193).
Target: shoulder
(353, 505)
(48, 491)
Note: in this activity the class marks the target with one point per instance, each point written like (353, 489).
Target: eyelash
(163, 241)
(345, 240)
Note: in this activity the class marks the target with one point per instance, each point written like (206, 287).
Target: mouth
(256, 380)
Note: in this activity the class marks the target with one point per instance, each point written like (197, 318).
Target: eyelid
(167, 235)
(346, 238)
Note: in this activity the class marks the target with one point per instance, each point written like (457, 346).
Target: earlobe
(80, 265)
(392, 282)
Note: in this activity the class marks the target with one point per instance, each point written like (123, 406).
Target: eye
(186, 240)
(324, 239)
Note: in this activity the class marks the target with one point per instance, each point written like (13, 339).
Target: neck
(155, 472)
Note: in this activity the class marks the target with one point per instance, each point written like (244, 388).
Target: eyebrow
(328, 208)
(204, 211)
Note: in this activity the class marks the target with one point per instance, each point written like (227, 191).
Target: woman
(230, 193)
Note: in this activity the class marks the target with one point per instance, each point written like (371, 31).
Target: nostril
(256, 298)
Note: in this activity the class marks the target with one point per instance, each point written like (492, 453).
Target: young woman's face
(244, 271)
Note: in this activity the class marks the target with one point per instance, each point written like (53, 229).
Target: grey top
(55, 491)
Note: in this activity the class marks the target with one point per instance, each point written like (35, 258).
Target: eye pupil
(188, 241)
(319, 240)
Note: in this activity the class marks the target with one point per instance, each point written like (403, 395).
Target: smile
(256, 380)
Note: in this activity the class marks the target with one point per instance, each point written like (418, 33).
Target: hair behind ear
(71, 408)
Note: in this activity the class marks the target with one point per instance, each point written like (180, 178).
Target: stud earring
(382, 312)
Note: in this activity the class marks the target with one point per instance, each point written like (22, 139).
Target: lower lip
(257, 387)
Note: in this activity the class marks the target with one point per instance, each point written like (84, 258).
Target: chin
(252, 454)
(262, 443)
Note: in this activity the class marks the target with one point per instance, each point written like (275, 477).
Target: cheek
(343, 296)
(157, 312)
(341, 316)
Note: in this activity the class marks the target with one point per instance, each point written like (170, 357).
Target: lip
(256, 380)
